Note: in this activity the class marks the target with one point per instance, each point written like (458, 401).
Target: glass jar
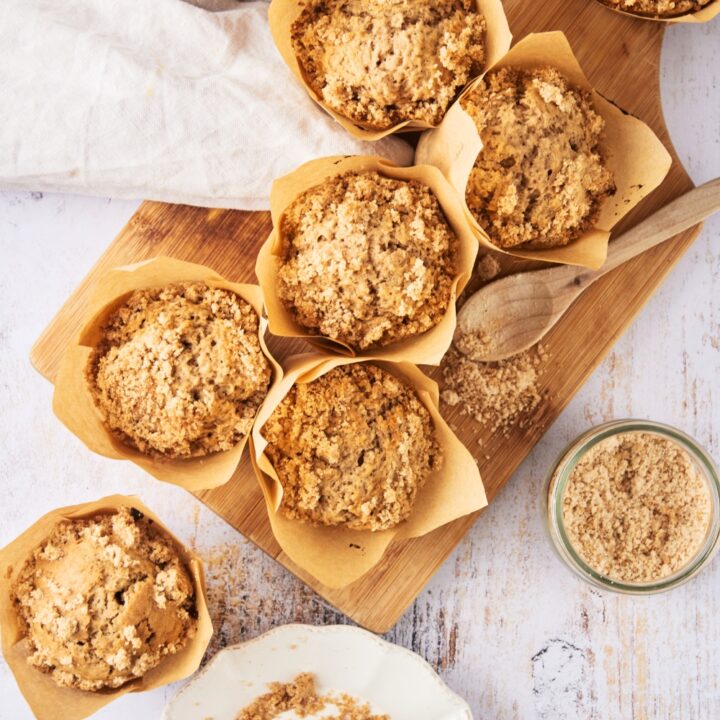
(555, 489)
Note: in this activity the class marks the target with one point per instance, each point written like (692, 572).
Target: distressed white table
(504, 623)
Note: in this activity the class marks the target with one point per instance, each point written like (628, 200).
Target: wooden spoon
(512, 314)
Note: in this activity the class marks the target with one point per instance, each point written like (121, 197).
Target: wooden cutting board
(620, 56)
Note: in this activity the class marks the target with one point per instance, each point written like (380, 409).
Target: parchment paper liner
(46, 699)
(427, 348)
(283, 13)
(703, 15)
(635, 155)
(73, 403)
(337, 556)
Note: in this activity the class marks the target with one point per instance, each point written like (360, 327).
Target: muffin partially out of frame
(383, 62)
(104, 600)
(179, 371)
(366, 260)
(351, 448)
(658, 8)
(541, 176)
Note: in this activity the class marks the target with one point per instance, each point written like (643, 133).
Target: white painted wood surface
(505, 624)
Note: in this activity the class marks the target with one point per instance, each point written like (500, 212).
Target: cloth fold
(155, 99)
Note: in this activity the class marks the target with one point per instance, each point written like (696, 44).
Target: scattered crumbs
(498, 395)
(301, 697)
(636, 508)
(476, 344)
(179, 371)
(487, 268)
(80, 594)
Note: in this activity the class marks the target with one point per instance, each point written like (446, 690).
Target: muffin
(351, 448)
(384, 62)
(179, 371)
(104, 600)
(541, 176)
(366, 260)
(658, 8)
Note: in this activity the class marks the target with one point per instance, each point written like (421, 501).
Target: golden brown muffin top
(351, 448)
(103, 600)
(381, 62)
(540, 177)
(180, 371)
(658, 8)
(366, 260)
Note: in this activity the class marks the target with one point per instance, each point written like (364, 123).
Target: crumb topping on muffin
(180, 371)
(381, 62)
(541, 176)
(366, 260)
(351, 448)
(658, 8)
(104, 600)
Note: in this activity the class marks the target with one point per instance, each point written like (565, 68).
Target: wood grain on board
(620, 55)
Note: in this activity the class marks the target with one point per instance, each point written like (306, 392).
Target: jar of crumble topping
(633, 506)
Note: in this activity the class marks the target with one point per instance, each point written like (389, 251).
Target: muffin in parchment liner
(335, 554)
(631, 151)
(689, 15)
(427, 346)
(284, 13)
(47, 699)
(74, 399)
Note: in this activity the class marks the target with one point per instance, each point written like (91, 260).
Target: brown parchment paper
(283, 13)
(337, 556)
(427, 348)
(47, 700)
(710, 11)
(637, 158)
(73, 403)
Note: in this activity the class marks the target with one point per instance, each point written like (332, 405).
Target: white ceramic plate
(344, 659)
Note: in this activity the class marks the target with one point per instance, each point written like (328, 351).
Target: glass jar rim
(556, 484)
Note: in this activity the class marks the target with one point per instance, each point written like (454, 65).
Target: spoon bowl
(506, 316)
(514, 313)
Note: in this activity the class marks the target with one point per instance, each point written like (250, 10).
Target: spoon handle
(682, 213)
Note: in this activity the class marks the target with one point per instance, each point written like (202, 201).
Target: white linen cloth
(155, 99)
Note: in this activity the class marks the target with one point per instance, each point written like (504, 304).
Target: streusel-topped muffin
(180, 371)
(658, 8)
(104, 600)
(381, 62)
(366, 260)
(351, 448)
(541, 175)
